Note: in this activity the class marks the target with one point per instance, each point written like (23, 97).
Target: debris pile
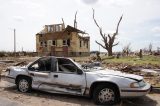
(150, 75)
(131, 69)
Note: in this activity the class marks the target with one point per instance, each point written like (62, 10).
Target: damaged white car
(63, 75)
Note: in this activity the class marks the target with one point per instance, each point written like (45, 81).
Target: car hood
(18, 68)
(108, 72)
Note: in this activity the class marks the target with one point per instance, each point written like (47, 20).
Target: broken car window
(42, 65)
(66, 66)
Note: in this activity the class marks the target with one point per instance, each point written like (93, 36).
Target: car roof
(55, 57)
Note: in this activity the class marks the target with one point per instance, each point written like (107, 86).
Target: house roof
(72, 29)
(68, 29)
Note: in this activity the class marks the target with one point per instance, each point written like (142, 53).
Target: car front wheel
(105, 95)
(24, 84)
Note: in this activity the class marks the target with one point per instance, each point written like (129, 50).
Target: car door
(40, 71)
(67, 79)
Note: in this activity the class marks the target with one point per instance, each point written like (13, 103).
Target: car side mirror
(31, 68)
(79, 72)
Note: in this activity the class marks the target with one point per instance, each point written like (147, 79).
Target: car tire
(24, 84)
(106, 95)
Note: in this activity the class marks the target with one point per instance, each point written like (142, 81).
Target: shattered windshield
(78, 65)
(95, 66)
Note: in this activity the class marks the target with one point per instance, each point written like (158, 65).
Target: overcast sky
(140, 25)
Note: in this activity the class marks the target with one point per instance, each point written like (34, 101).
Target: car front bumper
(135, 92)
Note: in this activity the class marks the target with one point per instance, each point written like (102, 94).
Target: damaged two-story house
(58, 40)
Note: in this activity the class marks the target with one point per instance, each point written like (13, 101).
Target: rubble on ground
(23, 63)
(150, 73)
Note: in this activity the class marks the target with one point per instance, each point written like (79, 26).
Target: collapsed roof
(59, 28)
(72, 29)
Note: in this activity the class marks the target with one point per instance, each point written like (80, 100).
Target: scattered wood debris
(6, 61)
(23, 63)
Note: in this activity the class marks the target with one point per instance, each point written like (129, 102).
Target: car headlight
(142, 83)
(138, 84)
(134, 85)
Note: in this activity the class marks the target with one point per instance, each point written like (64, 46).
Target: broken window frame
(45, 43)
(69, 63)
(68, 42)
(84, 43)
(41, 43)
(80, 43)
(57, 28)
(44, 62)
(60, 27)
(64, 42)
(55, 42)
(49, 28)
(87, 44)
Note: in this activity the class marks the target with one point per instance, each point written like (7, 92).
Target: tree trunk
(140, 53)
(110, 52)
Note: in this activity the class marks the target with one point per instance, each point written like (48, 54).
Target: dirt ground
(39, 98)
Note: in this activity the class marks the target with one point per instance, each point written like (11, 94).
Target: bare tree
(108, 40)
(140, 53)
(150, 48)
(127, 49)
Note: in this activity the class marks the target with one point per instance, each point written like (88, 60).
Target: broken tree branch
(95, 19)
(118, 26)
(100, 29)
(115, 44)
(100, 44)
(75, 20)
(109, 36)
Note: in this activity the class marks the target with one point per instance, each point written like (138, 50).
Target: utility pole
(15, 42)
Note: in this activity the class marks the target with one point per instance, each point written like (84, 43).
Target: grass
(152, 60)
(130, 60)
